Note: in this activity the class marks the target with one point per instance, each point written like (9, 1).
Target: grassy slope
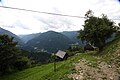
(103, 65)
(41, 72)
(111, 51)
(110, 54)
(47, 72)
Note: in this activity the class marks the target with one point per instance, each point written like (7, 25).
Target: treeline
(37, 57)
(12, 58)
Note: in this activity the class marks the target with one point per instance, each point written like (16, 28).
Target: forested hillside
(49, 42)
(16, 38)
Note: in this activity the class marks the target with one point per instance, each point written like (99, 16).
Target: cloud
(56, 23)
(18, 23)
(29, 22)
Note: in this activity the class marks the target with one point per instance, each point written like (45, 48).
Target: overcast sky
(22, 22)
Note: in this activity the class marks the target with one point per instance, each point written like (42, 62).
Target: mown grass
(46, 72)
(111, 51)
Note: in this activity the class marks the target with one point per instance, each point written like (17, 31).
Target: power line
(41, 12)
(45, 12)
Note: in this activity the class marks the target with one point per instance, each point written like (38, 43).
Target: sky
(25, 22)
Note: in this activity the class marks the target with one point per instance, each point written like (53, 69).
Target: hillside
(49, 41)
(28, 37)
(104, 65)
(73, 36)
(16, 38)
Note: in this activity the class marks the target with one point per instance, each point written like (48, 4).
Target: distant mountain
(16, 38)
(73, 36)
(49, 41)
(28, 37)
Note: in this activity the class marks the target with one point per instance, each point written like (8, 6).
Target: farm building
(61, 55)
(89, 47)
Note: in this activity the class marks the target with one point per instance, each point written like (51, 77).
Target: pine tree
(11, 57)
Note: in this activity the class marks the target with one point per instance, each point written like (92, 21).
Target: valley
(59, 39)
(103, 66)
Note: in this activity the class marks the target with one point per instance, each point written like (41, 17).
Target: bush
(11, 56)
(22, 63)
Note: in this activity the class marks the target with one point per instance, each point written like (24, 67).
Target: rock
(77, 78)
(111, 78)
(109, 66)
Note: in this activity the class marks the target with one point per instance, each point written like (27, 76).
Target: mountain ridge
(50, 41)
(16, 38)
(28, 37)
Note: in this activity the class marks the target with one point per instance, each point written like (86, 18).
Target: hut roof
(89, 45)
(60, 54)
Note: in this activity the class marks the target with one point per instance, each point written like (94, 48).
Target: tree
(97, 30)
(22, 63)
(10, 55)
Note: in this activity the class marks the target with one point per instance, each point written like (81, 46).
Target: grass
(46, 72)
(111, 52)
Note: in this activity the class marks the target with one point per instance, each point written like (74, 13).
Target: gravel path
(103, 71)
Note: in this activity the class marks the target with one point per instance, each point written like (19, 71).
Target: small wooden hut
(61, 55)
(89, 47)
